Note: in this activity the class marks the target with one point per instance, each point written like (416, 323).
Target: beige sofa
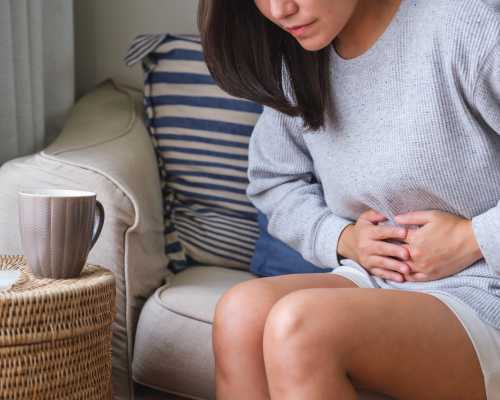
(162, 332)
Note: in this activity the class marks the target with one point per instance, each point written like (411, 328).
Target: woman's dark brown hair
(249, 56)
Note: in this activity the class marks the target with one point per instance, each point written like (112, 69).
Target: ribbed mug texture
(56, 233)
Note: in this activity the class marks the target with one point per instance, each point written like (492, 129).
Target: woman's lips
(298, 30)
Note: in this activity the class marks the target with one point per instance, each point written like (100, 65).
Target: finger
(407, 247)
(414, 218)
(411, 261)
(389, 232)
(417, 277)
(386, 274)
(372, 216)
(411, 264)
(389, 264)
(410, 232)
(394, 250)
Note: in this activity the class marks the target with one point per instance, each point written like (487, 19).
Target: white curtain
(37, 82)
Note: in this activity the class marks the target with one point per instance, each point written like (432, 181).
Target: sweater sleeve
(282, 186)
(486, 226)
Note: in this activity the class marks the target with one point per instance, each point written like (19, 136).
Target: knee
(241, 312)
(286, 339)
(298, 317)
(297, 333)
(287, 322)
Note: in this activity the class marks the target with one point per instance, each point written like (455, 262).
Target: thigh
(284, 284)
(405, 344)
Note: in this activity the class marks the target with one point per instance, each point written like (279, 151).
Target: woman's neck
(364, 27)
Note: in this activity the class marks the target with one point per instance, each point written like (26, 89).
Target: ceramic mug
(58, 228)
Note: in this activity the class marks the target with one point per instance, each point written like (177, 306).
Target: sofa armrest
(104, 147)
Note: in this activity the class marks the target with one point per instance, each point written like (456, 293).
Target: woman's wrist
(344, 247)
(473, 245)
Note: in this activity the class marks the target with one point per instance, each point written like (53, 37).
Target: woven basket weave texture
(55, 334)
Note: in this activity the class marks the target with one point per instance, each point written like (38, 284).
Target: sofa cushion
(274, 257)
(203, 286)
(201, 137)
(173, 347)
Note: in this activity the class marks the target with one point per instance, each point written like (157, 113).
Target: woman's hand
(364, 243)
(443, 245)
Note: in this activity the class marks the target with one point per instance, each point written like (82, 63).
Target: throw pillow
(274, 257)
(200, 134)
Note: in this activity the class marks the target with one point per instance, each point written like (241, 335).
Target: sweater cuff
(486, 228)
(327, 238)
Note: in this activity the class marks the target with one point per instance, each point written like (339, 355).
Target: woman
(379, 145)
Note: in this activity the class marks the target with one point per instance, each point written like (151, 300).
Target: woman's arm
(282, 186)
(486, 99)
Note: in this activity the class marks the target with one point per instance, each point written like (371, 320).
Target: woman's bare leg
(238, 327)
(320, 343)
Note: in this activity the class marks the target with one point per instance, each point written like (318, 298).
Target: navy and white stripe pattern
(201, 136)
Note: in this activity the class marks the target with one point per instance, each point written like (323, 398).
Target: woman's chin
(313, 43)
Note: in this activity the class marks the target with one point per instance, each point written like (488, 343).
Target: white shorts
(484, 337)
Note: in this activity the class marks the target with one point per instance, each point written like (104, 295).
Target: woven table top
(38, 310)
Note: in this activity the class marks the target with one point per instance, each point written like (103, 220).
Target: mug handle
(97, 227)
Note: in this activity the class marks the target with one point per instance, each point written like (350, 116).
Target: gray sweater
(416, 127)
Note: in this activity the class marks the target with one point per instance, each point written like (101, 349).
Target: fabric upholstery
(173, 341)
(201, 135)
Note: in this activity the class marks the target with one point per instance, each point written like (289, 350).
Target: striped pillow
(201, 137)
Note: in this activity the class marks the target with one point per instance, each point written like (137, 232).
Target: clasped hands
(442, 245)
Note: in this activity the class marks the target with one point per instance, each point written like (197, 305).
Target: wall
(104, 29)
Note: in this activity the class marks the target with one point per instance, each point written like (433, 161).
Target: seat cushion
(173, 344)
(173, 347)
(202, 286)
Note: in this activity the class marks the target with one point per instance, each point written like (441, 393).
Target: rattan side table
(55, 335)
